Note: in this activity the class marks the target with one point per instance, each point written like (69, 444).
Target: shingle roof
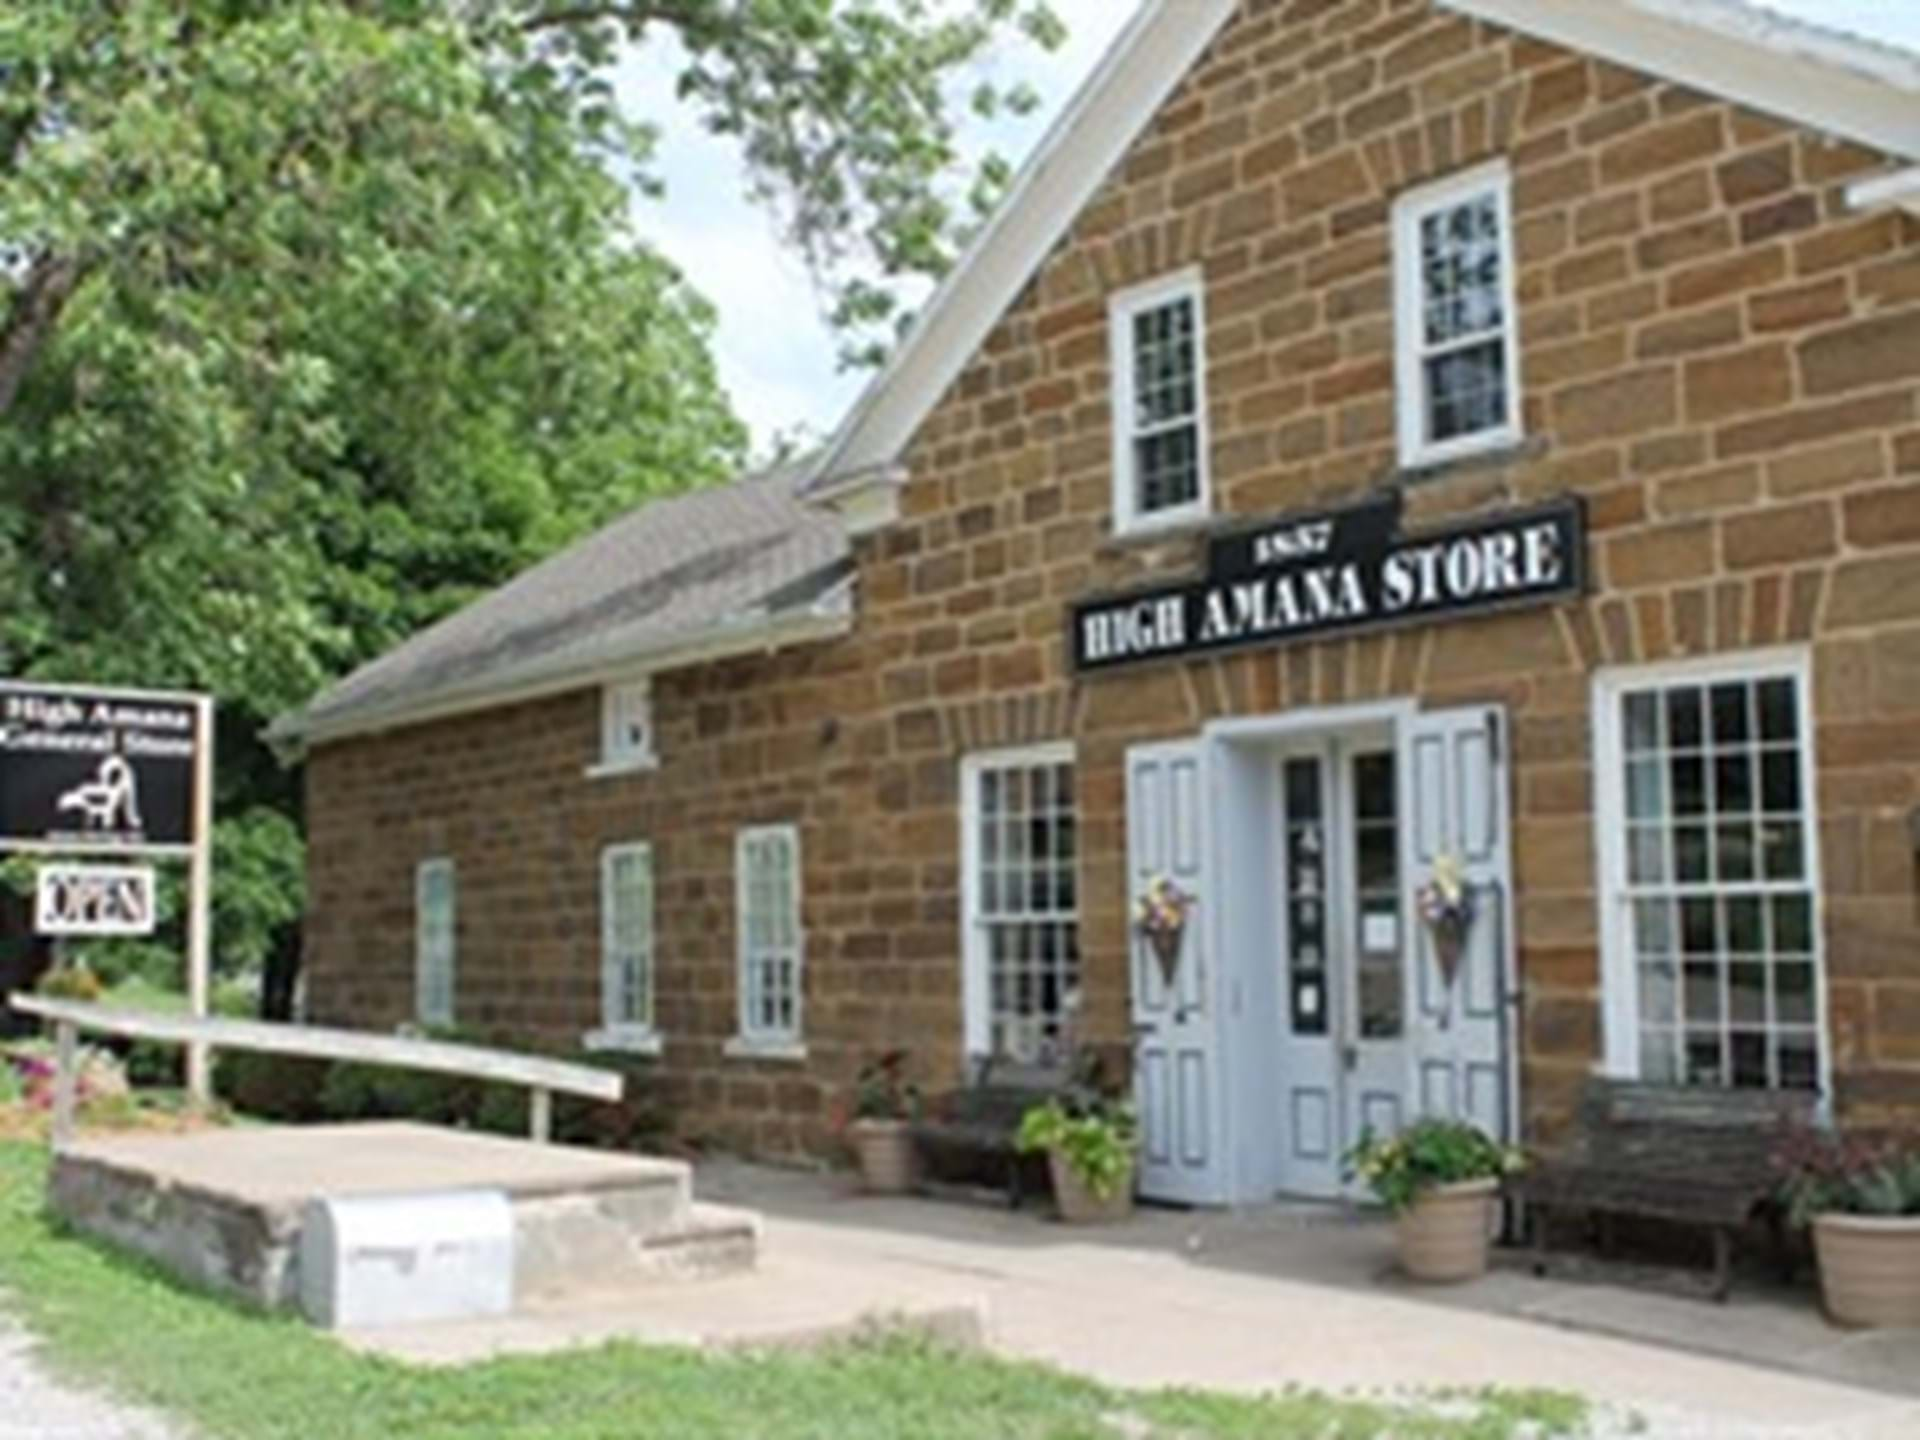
(668, 577)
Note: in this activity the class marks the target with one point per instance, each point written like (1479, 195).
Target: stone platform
(223, 1208)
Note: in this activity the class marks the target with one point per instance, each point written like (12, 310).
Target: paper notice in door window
(1309, 1001)
(1380, 932)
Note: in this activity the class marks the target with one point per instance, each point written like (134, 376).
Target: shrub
(286, 1088)
(73, 981)
(1399, 1169)
(1828, 1174)
(881, 1091)
(1097, 1142)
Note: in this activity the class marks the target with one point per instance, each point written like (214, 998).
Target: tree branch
(50, 283)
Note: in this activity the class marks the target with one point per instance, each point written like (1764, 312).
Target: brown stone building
(1378, 439)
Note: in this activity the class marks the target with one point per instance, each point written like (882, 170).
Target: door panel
(1183, 1157)
(1458, 788)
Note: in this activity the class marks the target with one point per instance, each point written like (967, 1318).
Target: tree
(318, 318)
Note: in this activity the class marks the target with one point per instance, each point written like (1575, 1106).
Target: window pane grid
(1720, 919)
(1164, 417)
(770, 965)
(1027, 904)
(1461, 321)
(627, 900)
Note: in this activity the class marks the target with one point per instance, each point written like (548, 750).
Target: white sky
(776, 356)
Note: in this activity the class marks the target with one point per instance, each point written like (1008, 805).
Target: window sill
(1506, 449)
(1176, 530)
(616, 1041)
(742, 1047)
(609, 769)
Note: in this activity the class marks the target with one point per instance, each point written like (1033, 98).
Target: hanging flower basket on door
(1160, 915)
(1446, 909)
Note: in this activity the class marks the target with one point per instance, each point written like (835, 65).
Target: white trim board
(1142, 68)
(1834, 83)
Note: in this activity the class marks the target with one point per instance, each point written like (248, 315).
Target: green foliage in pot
(881, 1091)
(1823, 1173)
(1097, 1142)
(1400, 1168)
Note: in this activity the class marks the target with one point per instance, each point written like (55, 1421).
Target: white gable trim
(1145, 64)
(1831, 82)
(1823, 79)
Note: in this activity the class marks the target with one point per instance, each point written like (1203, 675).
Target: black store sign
(95, 769)
(1347, 570)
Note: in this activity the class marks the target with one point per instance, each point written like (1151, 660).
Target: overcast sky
(776, 357)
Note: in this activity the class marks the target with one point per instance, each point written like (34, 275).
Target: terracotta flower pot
(1078, 1204)
(1869, 1269)
(1444, 1235)
(887, 1162)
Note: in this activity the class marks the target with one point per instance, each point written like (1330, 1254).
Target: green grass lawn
(235, 1375)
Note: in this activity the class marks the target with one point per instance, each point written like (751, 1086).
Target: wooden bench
(1687, 1156)
(968, 1133)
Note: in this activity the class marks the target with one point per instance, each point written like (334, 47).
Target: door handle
(1350, 1056)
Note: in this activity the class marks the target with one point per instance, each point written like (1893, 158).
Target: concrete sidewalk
(1246, 1302)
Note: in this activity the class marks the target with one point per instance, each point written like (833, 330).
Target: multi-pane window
(626, 721)
(1022, 892)
(1159, 360)
(1376, 847)
(626, 939)
(771, 953)
(433, 942)
(1458, 349)
(1715, 876)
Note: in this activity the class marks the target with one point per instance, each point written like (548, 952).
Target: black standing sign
(1312, 575)
(91, 769)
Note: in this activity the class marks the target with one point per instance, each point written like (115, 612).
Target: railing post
(66, 1080)
(540, 1113)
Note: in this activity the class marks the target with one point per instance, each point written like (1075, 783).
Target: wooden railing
(542, 1077)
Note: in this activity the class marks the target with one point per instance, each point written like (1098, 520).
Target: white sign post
(92, 771)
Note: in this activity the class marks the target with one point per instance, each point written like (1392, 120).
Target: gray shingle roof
(668, 577)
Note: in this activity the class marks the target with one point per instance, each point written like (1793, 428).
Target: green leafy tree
(316, 319)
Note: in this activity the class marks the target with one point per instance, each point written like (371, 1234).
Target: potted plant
(1861, 1198)
(1090, 1144)
(885, 1106)
(1440, 1178)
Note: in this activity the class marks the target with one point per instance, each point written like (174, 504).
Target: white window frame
(428, 951)
(1620, 988)
(753, 1040)
(617, 1031)
(976, 981)
(617, 757)
(1128, 518)
(1410, 349)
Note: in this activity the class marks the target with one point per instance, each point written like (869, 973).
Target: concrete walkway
(1245, 1302)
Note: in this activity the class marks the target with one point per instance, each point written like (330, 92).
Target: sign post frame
(200, 902)
(197, 849)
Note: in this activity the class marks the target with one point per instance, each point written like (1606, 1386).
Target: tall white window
(1456, 322)
(1159, 403)
(767, 877)
(1020, 890)
(626, 949)
(626, 726)
(433, 942)
(1710, 854)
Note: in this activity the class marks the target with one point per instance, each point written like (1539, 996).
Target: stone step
(570, 1244)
